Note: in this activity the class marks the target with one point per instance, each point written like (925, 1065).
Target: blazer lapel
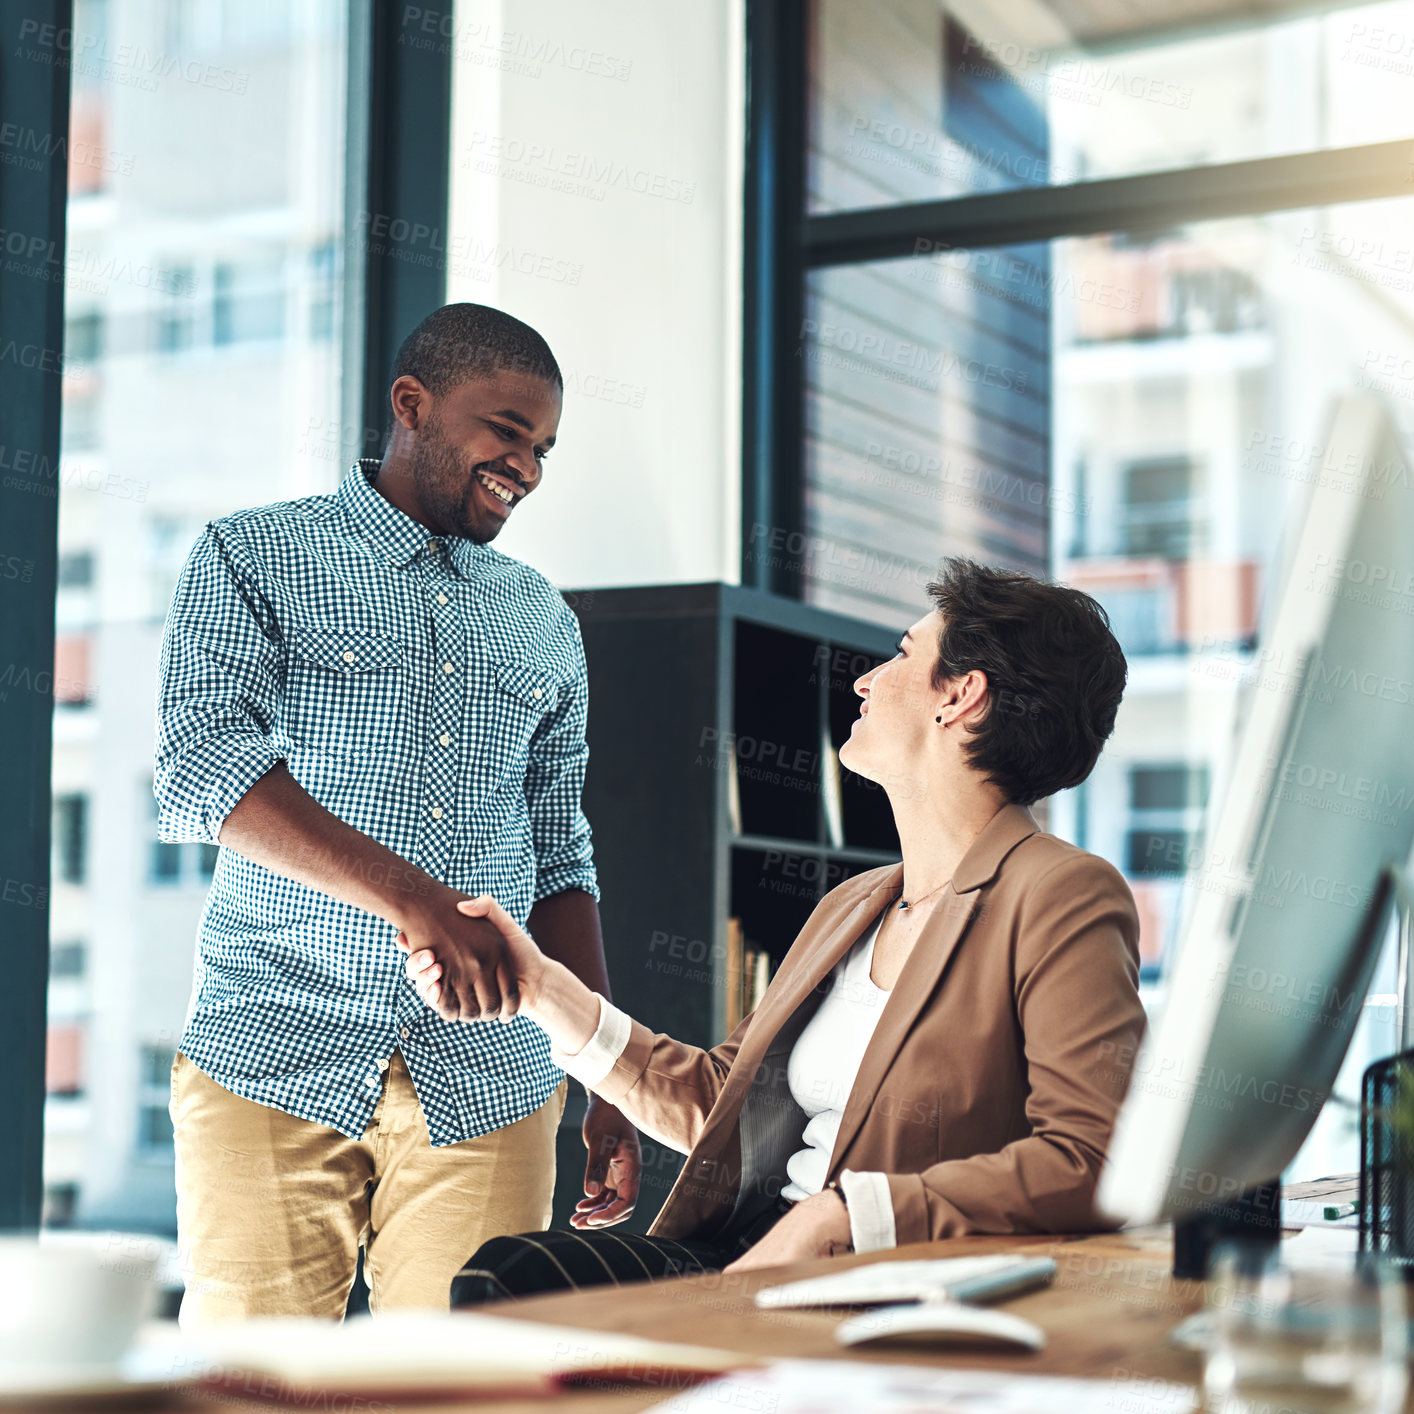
(838, 936)
(834, 934)
(927, 963)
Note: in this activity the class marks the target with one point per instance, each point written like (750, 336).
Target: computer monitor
(1285, 911)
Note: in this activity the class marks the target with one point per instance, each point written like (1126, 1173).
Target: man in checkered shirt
(377, 715)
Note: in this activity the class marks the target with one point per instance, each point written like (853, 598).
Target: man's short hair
(1055, 674)
(460, 342)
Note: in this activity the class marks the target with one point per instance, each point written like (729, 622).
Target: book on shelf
(756, 978)
(735, 971)
(761, 980)
(831, 794)
(733, 790)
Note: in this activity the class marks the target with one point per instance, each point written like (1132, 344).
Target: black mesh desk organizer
(1387, 1162)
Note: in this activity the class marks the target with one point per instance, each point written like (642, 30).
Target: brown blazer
(989, 1089)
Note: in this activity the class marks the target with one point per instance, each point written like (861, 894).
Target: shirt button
(436, 812)
(449, 667)
(404, 1032)
(349, 655)
(536, 692)
(444, 740)
(381, 1064)
(441, 598)
(373, 1080)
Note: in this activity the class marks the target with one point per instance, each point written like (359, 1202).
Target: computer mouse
(940, 1323)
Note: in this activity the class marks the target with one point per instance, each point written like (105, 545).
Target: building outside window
(154, 1125)
(1139, 411)
(71, 837)
(193, 252)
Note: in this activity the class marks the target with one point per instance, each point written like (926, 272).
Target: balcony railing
(1173, 606)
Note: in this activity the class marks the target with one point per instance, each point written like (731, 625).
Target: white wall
(596, 194)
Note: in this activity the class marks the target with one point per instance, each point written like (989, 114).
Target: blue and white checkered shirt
(432, 694)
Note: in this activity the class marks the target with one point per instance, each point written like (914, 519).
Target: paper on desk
(420, 1352)
(827, 1386)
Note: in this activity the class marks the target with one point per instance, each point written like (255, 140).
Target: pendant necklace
(903, 903)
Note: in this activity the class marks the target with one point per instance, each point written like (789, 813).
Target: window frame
(34, 200)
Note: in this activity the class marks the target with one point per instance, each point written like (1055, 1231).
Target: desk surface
(1107, 1316)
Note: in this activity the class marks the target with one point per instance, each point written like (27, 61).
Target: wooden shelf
(871, 857)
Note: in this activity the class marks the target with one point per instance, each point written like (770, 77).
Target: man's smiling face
(481, 451)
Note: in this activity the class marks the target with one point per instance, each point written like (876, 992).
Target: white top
(825, 1060)
(821, 1072)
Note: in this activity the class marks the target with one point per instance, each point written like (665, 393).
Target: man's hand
(817, 1227)
(612, 1170)
(462, 968)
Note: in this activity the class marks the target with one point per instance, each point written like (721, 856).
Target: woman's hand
(612, 1170)
(522, 958)
(816, 1227)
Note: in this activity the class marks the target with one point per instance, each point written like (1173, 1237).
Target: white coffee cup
(71, 1303)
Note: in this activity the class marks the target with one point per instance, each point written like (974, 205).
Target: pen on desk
(1341, 1210)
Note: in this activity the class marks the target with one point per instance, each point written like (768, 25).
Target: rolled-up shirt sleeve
(554, 785)
(219, 683)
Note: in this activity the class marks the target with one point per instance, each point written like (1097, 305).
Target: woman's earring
(940, 719)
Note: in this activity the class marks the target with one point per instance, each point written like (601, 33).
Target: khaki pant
(272, 1210)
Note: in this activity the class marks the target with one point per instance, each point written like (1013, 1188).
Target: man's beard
(443, 484)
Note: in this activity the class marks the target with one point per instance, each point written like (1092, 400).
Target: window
(1124, 387)
(1168, 787)
(80, 428)
(83, 337)
(1164, 830)
(67, 960)
(249, 301)
(219, 177)
(60, 1204)
(1164, 514)
(75, 570)
(154, 1096)
(323, 291)
(175, 310)
(71, 837)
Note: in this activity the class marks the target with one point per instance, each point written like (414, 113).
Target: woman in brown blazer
(945, 1046)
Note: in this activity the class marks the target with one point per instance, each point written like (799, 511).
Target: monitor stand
(1252, 1218)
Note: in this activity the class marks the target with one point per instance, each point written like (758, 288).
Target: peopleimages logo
(543, 164)
(898, 360)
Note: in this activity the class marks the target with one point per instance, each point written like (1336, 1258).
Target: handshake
(471, 961)
(481, 967)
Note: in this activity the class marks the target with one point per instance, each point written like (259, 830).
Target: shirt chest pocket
(343, 690)
(524, 696)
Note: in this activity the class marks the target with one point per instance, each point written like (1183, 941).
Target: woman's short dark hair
(1055, 674)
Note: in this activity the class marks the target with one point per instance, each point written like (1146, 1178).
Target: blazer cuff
(871, 1210)
(599, 1054)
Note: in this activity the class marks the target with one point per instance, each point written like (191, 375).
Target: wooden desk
(1107, 1316)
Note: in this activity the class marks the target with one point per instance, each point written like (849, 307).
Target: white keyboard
(941, 1279)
